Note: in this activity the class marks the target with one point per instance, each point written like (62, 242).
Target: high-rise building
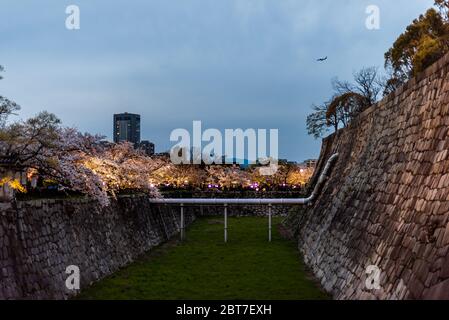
(127, 128)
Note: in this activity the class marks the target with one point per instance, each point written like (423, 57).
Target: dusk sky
(229, 63)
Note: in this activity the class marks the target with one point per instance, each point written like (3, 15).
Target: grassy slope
(247, 267)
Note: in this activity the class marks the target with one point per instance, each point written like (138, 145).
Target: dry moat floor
(203, 267)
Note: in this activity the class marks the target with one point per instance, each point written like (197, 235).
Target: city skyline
(248, 64)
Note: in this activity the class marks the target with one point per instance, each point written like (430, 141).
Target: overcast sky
(229, 63)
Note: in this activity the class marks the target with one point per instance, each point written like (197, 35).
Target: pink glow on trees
(76, 161)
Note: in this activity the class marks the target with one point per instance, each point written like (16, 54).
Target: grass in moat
(204, 267)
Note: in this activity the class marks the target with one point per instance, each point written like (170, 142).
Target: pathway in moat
(204, 267)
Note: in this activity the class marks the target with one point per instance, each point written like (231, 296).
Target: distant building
(162, 155)
(147, 147)
(286, 161)
(105, 143)
(8, 170)
(242, 163)
(311, 163)
(127, 128)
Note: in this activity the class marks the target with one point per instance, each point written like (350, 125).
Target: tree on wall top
(349, 100)
(424, 41)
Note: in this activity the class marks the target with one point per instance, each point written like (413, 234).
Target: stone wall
(243, 210)
(387, 201)
(39, 239)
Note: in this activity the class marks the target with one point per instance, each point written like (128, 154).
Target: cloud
(229, 63)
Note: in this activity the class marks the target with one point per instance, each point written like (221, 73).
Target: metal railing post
(225, 223)
(182, 222)
(269, 222)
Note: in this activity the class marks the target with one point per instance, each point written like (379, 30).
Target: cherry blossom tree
(76, 161)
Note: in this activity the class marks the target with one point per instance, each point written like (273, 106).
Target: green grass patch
(203, 267)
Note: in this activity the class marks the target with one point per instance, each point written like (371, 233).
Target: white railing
(270, 202)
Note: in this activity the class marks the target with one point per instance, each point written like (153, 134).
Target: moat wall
(387, 201)
(40, 239)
